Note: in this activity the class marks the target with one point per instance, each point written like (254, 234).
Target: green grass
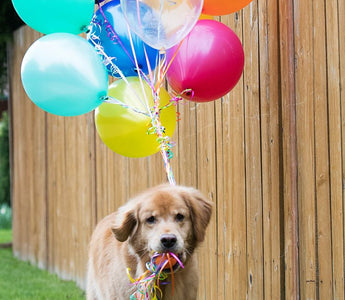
(21, 281)
(5, 236)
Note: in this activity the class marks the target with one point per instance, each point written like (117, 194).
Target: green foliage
(5, 217)
(21, 281)
(4, 161)
(9, 21)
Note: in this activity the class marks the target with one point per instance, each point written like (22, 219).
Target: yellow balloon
(205, 17)
(124, 130)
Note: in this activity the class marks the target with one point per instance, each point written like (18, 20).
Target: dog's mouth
(167, 262)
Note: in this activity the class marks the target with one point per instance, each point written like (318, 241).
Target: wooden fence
(271, 156)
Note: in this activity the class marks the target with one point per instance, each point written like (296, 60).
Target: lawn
(5, 236)
(21, 281)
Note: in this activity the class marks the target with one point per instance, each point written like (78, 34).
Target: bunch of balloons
(140, 43)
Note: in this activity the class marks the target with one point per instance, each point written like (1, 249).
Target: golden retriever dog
(162, 219)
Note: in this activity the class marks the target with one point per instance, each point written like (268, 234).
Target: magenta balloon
(210, 62)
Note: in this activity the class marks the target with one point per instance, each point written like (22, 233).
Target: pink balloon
(210, 62)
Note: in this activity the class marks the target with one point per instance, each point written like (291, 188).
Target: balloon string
(160, 69)
(113, 32)
(164, 140)
(173, 57)
(114, 35)
(139, 73)
(138, 13)
(111, 100)
(148, 65)
(157, 128)
(116, 70)
(106, 59)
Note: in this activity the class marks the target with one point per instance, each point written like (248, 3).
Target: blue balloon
(63, 75)
(49, 16)
(102, 37)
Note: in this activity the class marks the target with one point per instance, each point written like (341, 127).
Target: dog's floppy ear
(125, 221)
(200, 209)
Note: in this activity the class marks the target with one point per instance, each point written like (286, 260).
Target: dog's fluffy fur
(127, 238)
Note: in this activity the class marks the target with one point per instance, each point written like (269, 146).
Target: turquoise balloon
(49, 16)
(63, 75)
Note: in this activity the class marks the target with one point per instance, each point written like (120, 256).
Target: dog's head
(164, 219)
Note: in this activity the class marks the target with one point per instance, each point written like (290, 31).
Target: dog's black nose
(168, 240)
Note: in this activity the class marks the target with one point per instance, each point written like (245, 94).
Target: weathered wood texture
(270, 155)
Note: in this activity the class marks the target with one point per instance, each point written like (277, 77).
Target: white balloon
(162, 23)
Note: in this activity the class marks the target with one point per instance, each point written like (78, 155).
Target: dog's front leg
(181, 295)
(185, 285)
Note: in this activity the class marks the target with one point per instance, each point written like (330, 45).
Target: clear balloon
(162, 24)
(72, 16)
(113, 37)
(223, 7)
(63, 75)
(126, 131)
(210, 62)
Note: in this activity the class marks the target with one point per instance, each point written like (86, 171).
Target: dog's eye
(179, 217)
(151, 220)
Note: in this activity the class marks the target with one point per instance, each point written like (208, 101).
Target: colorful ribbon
(148, 284)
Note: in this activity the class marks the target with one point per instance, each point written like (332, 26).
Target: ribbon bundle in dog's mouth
(158, 269)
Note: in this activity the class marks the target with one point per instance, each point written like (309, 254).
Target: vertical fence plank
(18, 167)
(270, 144)
(220, 199)
(234, 202)
(111, 179)
(341, 33)
(38, 215)
(336, 172)
(138, 172)
(322, 181)
(289, 154)
(80, 191)
(118, 181)
(253, 154)
(207, 184)
(155, 169)
(103, 188)
(19, 163)
(57, 238)
(88, 204)
(305, 146)
(187, 144)
(75, 170)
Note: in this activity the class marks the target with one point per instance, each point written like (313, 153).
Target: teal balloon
(49, 16)
(62, 74)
